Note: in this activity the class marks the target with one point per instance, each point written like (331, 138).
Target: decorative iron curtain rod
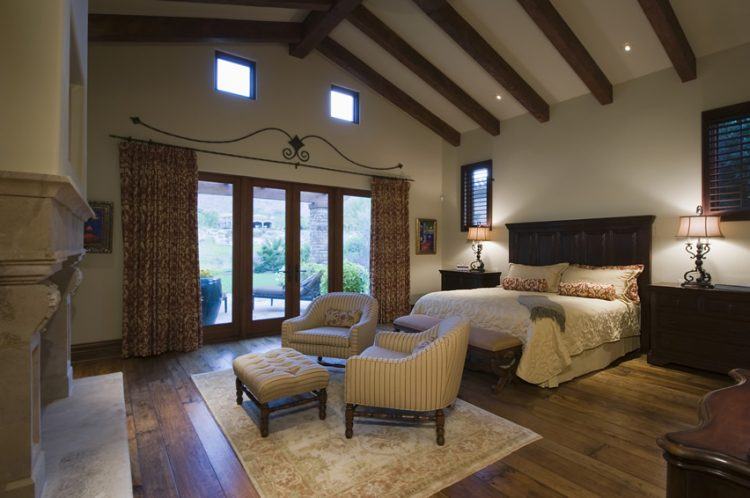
(263, 159)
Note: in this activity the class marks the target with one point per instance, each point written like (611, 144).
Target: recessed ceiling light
(499, 97)
(627, 47)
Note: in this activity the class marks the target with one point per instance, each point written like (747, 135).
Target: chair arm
(362, 333)
(292, 325)
(403, 342)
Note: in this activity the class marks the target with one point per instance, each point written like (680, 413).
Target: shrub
(310, 269)
(271, 256)
(355, 278)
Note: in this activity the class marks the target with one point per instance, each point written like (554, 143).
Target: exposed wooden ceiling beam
(318, 25)
(284, 4)
(348, 61)
(116, 28)
(664, 21)
(384, 36)
(472, 42)
(546, 17)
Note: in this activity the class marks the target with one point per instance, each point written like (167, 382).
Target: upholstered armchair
(309, 334)
(412, 372)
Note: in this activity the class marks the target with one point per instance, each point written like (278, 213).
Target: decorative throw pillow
(342, 318)
(623, 277)
(550, 273)
(525, 284)
(588, 289)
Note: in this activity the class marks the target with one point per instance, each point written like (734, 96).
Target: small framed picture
(97, 232)
(426, 236)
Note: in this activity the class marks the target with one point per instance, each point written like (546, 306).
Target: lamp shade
(699, 227)
(478, 234)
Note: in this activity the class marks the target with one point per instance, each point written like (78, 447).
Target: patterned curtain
(161, 293)
(389, 252)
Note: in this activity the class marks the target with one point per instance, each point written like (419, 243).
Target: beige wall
(640, 155)
(171, 86)
(46, 40)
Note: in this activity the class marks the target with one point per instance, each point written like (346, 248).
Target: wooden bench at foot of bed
(489, 350)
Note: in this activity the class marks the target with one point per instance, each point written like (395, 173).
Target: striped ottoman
(276, 374)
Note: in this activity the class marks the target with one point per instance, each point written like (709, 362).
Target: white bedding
(547, 349)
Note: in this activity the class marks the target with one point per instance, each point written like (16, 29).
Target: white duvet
(548, 350)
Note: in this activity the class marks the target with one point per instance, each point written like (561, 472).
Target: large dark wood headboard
(598, 242)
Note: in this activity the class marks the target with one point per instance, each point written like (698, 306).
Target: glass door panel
(313, 237)
(215, 251)
(357, 215)
(269, 299)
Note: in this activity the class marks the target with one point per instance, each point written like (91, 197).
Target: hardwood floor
(599, 431)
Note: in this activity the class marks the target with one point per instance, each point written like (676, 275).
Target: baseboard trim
(96, 350)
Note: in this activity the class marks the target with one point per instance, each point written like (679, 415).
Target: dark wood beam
(384, 36)
(664, 21)
(318, 25)
(472, 42)
(283, 4)
(116, 28)
(546, 17)
(348, 61)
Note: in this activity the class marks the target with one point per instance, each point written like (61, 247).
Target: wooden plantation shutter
(726, 162)
(476, 195)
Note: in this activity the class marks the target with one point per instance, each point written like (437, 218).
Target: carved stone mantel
(41, 243)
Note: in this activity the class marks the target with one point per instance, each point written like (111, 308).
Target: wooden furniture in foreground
(276, 374)
(700, 328)
(408, 377)
(598, 242)
(714, 458)
(457, 279)
(489, 350)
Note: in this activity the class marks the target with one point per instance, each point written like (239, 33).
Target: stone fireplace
(41, 243)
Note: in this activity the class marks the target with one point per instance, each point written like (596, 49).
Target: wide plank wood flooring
(599, 431)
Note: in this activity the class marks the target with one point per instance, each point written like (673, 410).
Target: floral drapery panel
(161, 294)
(389, 252)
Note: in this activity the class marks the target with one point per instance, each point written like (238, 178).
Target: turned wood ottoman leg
(349, 420)
(238, 384)
(440, 427)
(322, 398)
(264, 414)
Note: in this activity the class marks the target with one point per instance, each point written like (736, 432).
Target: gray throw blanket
(543, 307)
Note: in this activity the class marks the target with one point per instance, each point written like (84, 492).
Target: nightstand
(700, 328)
(455, 279)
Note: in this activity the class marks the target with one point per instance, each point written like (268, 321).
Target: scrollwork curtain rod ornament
(296, 149)
(264, 159)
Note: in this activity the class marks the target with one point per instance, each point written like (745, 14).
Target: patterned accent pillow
(342, 318)
(588, 289)
(525, 284)
(631, 286)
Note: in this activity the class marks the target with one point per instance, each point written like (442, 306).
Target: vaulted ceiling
(451, 59)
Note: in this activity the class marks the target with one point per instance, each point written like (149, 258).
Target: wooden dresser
(714, 458)
(455, 279)
(700, 328)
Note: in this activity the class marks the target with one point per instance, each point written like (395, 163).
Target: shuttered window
(476, 195)
(726, 161)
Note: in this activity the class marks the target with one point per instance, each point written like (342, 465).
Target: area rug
(305, 456)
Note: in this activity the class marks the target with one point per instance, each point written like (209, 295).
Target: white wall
(171, 86)
(43, 37)
(640, 155)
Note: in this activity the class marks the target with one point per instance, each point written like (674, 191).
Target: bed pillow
(624, 278)
(588, 289)
(550, 273)
(525, 284)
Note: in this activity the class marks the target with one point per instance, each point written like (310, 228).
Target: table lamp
(477, 235)
(701, 228)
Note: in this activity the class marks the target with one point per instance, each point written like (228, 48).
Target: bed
(595, 332)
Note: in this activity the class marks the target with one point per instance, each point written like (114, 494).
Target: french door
(273, 247)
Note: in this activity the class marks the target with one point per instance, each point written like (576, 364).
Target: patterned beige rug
(305, 456)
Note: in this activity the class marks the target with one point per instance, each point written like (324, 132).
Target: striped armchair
(310, 335)
(402, 371)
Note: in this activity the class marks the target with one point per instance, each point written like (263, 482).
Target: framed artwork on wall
(97, 232)
(426, 236)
